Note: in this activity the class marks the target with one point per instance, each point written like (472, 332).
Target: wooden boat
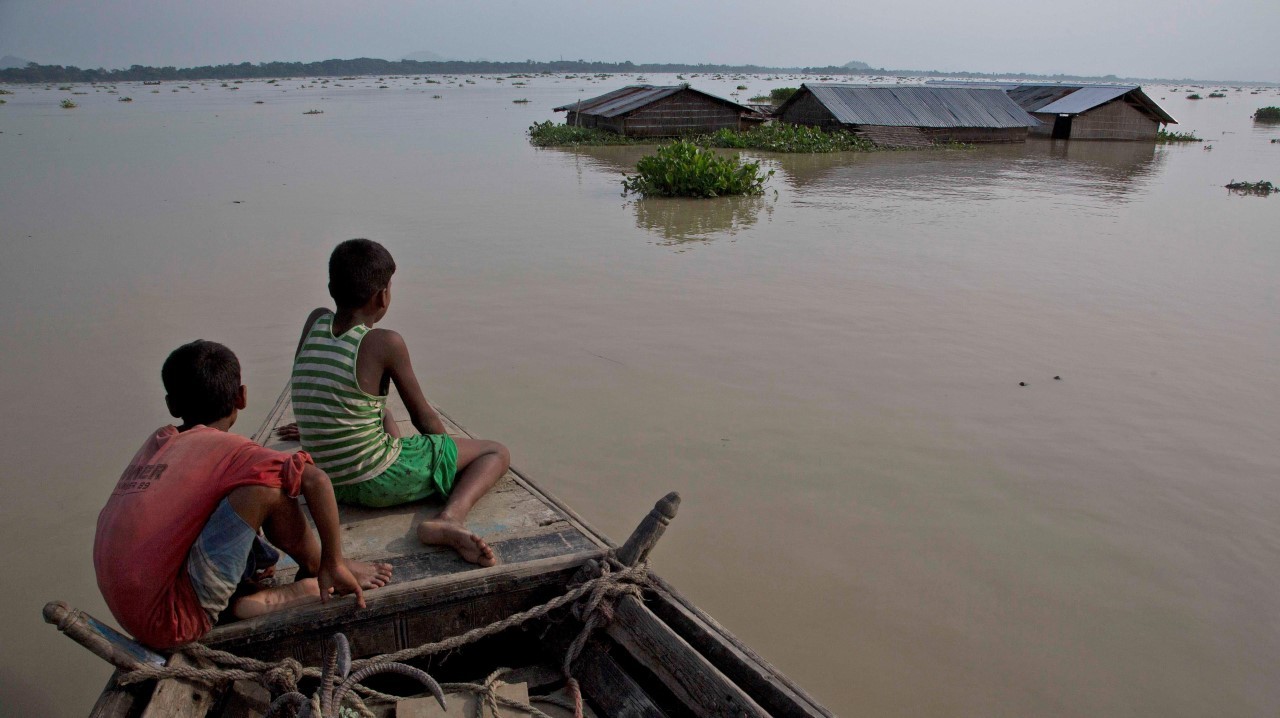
(658, 656)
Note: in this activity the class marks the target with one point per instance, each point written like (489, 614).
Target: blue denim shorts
(227, 554)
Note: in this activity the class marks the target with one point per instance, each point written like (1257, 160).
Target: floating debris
(125, 99)
(521, 101)
(314, 112)
(68, 105)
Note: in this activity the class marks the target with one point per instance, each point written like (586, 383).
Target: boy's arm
(398, 367)
(333, 574)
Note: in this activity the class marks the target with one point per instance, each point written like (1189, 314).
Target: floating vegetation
(258, 102)
(1194, 96)
(1267, 114)
(1216, 94)
(64, 87)
(5, 92)
(683, 169)
(782, 137)
(742, 87)
(1261, 188)
(550, 134)
(125, 99)
(779, 95)
(436, 97)
(68, 105)
(314, 112)
(1164, 136)
(759, 99)
(521, 101)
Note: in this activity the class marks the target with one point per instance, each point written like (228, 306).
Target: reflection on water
(679, 221)
(676, 221)
(1110, 170)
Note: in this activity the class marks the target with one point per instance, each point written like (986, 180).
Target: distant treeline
(36, 73)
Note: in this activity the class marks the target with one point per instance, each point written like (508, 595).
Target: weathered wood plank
(246, 699)
(180, 698)
(117, 701)
(403, 597)
(610, 687)
(757, 677)
(689, 676)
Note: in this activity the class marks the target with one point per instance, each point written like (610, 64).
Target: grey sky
(1211, 39)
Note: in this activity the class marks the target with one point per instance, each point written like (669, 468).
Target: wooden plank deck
(526, 528)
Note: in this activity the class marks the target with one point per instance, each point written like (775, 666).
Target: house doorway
(1062, 127)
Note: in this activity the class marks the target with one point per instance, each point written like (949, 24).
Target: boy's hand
(337, 579)
(288, 432)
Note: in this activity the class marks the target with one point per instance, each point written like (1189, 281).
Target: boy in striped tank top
(341, 374)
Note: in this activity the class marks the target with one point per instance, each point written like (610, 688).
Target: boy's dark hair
(358, 269)
(202, 380)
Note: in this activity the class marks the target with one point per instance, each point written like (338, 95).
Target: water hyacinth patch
(683, 169)
(781, 137)
(1261, 188)
(1164, 136)
(1267, 114)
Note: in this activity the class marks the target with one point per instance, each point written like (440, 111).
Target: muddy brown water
(829, 374)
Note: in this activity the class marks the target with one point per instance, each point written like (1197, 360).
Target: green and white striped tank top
(340, 425)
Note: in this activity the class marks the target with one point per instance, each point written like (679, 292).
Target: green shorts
(427, 466)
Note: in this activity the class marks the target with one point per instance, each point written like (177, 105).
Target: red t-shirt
(157, 511)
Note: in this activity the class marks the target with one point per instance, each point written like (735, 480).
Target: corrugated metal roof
(1085, 99)
(897, 106)
(1067, 98)
(633, 97)
(1032, 97)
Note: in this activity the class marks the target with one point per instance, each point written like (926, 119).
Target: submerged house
(909, 116)
(1083, 111)
(659, 111)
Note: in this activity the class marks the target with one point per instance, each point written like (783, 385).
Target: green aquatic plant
(5, 92)
(1261, 188)
(68, 105)
(1267, 114)
(1164, 136)
(780, 95)
(1194, 96)
(742, 87)
(782, 137)
(550, 134)
(759, 99)
(521, 101)
(1216, 94)
(683, 169)
(125, 99)
(314, 112)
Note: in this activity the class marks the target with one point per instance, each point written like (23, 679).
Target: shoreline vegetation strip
(774, 137)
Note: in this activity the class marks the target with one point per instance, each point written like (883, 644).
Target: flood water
(828, 374)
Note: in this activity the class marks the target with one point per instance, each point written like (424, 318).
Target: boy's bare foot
(370, 575)
(443, 532)
(277, 598)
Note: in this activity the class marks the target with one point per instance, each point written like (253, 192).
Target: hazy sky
(1208, 39)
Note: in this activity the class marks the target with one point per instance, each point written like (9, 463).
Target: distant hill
(424, 56)
(12, 61)
(855, 65)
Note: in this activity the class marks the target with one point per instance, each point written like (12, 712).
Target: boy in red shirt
(178, 541)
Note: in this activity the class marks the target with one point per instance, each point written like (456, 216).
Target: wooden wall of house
(681, 114)
(1116, 120)
(806, 110)
(976, 134)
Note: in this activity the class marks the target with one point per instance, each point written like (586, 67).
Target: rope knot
(283, 677)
